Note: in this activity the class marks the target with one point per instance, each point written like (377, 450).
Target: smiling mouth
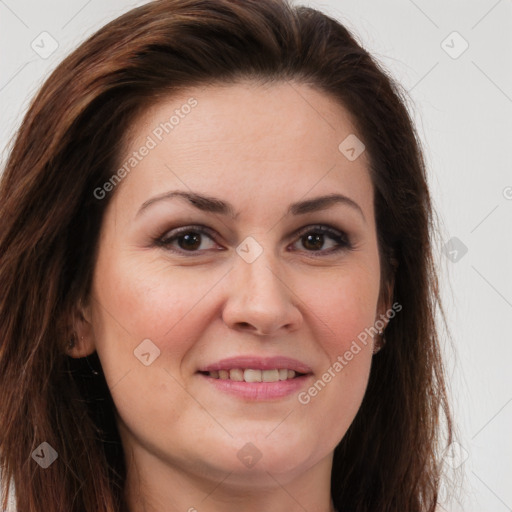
(253, 375)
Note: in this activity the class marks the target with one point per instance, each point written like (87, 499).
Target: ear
(385, 301)
(81, 334)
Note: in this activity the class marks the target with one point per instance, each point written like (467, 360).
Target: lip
(258, 363)
(258, 391)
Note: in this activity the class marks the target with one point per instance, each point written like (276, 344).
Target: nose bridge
(258, 294)
(257, 268)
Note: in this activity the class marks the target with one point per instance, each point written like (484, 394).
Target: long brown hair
(70, 142)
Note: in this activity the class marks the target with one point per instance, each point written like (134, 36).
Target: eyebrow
(215, 205)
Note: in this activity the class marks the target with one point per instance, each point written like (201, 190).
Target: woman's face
(245, 270)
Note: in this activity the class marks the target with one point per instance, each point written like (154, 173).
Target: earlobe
(81, 341)
(383, 315)
(79, 346)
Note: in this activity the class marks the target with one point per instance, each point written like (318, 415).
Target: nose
(260, 298)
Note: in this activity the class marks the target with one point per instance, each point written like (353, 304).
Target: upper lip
(258, 363)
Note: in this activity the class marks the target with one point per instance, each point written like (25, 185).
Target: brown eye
(191, 239)
(314, 239)
(313, 242)
(188, 239)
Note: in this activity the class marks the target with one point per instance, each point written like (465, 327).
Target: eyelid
(334, 233)
(323, 228)
(176, 232)
(341, 237)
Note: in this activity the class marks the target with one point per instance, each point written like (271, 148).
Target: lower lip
(259, 390)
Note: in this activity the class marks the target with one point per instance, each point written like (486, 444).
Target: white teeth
(270, 375)
(236, 374)
(251, 375)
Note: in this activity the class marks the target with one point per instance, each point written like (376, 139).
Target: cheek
(342, 305)
(343, 311)
(136, 302)
(142, 297)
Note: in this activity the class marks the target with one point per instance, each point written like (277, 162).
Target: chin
(265, 471)
(263, 453)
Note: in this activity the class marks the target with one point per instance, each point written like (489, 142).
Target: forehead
(248, 142)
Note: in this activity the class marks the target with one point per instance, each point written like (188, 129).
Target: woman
(218, 285)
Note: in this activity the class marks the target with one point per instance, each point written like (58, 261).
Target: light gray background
(463, 110)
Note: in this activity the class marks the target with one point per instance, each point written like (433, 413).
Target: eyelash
(344, 242)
